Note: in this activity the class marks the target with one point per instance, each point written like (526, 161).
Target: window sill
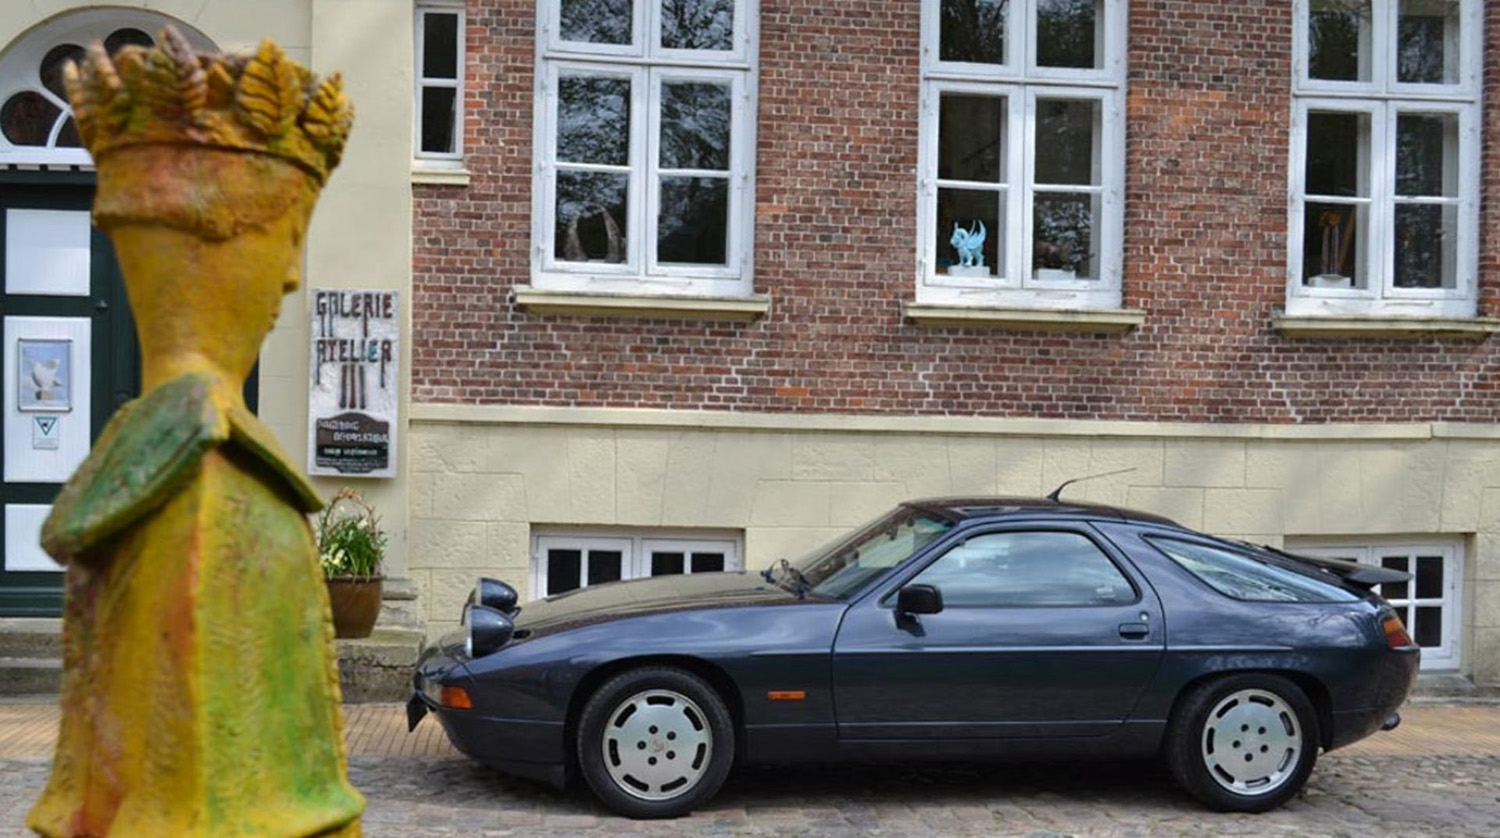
(1111, 321)
(1462, 328)
(579, 304)
(440, 177)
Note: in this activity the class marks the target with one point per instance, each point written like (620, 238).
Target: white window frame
(1385, 99)
(1023, 83)
(437, 159)
(1448, 656)
(647, 66)
(635, 551)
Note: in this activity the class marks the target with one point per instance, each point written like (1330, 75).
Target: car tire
(655, 742)
(1243, 743)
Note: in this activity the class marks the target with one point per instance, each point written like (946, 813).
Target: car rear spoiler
(1363, 575)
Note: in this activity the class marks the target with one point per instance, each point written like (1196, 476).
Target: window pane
(563, 570)
(1426, 155)
(697, 24)
(1338, 154)
(1334, 238)
(1339, 40)
(1429, 629)
(604, 566)
(591, 222)
(52, 66)
(666, 564)
(694, 221)
(708, 562)
(438, 112)
(1027, 568)
(1395, 591)
(972, 223)
(1427, 49)
(595, 21)
(695, 120)
(1426, 245)
(973, 31)
(1429, 577)
(1252, 577)
(68, 136)
(27, 118)
(1063, 242)
(1070, 33)
(1067, 151)
(971, 138)
(440, 45)
(593, 120)
(127, 37)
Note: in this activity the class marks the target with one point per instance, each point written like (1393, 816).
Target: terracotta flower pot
(356, 604)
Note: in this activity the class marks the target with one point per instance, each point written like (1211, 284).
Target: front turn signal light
(457, 698)
(1395, 634)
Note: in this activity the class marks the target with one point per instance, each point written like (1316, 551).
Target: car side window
(1027, 569)
(1245, 577)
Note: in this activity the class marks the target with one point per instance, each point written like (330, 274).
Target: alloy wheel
(657, 745)
(1252, 742)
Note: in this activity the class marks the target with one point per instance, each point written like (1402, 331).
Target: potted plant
(351, 547)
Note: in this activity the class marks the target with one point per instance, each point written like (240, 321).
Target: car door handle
(1134, 631)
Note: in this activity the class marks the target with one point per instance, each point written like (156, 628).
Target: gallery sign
(353, 383)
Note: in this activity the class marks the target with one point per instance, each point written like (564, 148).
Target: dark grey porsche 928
(947, 629)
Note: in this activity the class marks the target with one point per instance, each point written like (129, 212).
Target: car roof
(1015, 508)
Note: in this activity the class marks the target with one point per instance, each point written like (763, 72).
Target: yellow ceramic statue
(200, 695)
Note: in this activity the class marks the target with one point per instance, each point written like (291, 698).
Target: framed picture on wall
(45, 379)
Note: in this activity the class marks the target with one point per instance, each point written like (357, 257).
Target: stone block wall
(479, 489)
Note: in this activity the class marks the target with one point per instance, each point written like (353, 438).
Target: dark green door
(62, 292)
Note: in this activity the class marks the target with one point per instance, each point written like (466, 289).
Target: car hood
(657, 595)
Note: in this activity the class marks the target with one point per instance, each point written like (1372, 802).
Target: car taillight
(457, 698)
(1395, 633)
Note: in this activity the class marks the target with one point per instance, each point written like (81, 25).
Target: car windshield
(851, 563)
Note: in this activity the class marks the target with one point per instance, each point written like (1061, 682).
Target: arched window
(36, 124)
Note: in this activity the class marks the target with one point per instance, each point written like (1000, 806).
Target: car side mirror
(919, 599)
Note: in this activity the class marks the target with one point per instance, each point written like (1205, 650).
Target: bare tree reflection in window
(1067, 33)
(697, 24)
(973, 31)
(596, 21)
(1338, 34)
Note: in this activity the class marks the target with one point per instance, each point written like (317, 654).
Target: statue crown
(169, 94)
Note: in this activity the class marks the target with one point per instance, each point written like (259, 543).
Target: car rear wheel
(1244, 743)
(655, 742)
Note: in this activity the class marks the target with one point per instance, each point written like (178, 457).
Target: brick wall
(1205, 225)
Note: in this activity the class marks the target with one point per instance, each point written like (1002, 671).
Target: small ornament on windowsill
(1055, 262)
(1336, 241)
(970, 246)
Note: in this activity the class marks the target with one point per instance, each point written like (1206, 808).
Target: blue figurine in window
(969, 244)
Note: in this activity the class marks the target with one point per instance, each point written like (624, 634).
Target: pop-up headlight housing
(488, 630)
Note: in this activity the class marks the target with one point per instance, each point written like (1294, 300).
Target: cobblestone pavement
(1434, 781)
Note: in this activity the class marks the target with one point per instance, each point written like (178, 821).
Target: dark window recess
(440, 45)
(564, 570)
(52, 66)
(1429, 628)
(438, 111)
(666, 564)
(1395, 590)
(27, 118)
(708, 562)
(1429, 577)
(604, 566)
(127, 37)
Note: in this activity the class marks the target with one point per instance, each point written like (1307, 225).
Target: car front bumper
(522, 747)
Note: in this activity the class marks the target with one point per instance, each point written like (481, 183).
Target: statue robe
(200, 691)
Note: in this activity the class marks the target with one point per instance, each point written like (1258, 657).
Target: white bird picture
(44, 374)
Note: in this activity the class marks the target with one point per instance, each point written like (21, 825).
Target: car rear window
(1248, 577)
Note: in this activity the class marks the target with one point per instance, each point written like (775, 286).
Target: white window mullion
(1027, 177)
(651, 167)
(1381, 249)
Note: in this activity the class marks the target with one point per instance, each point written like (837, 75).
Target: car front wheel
(1244, 743)
(655, 742)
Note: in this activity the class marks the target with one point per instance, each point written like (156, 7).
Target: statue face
(212, 301)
